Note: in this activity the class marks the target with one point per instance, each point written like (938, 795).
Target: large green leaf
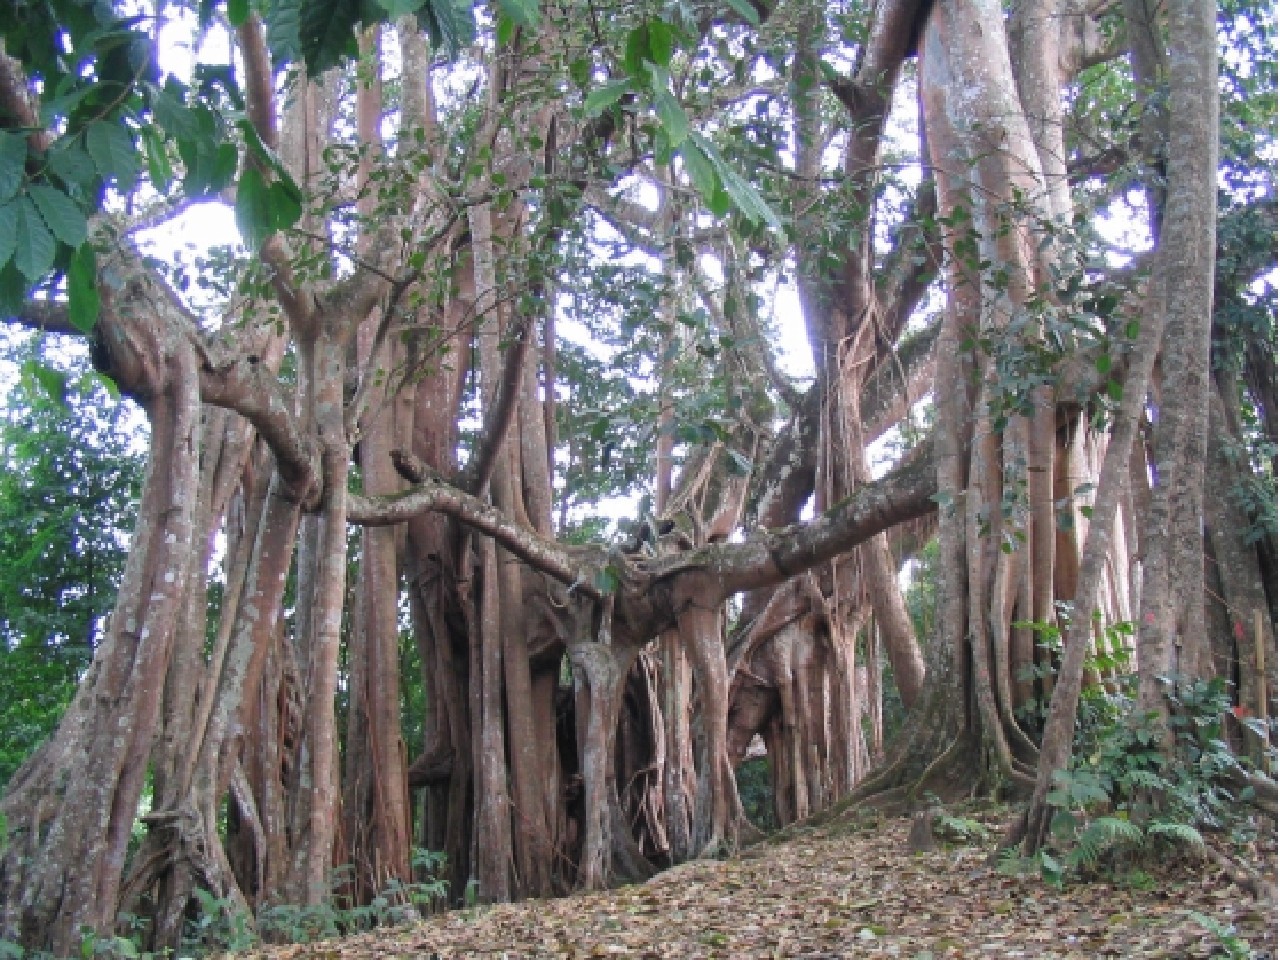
(253, 209)
(327, 30)
(636, 51)
(284, 32)
(159, 169)
(169, 108)
(13, 161)
(70, 162)
(35, 246)
(13, 288)
(396, 9)
(52, 382)
(113, 153)
(449, 23)
(744, 9)
(748, 199)
(268, 157)
(82, 289)
(523, 13)
(740, 192)
(285, 203)
(661, 42)
(700, 169)
(8, 230)
(672, 117)
(63, 217)
(653, 41)
(211, 164)
(602, 98)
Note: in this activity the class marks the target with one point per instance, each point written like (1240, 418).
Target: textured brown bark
(375, 795)
(314, 790)
(70, 808)
(532, 788)
(1243, 589)
(1171, 634)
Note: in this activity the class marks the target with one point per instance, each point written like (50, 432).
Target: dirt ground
(850, 889)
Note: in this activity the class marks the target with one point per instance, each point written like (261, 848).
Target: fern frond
(1102, 836)
(1175, 832)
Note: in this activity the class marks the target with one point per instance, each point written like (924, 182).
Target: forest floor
(854, 888)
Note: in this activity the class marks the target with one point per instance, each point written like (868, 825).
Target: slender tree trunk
(314, 806)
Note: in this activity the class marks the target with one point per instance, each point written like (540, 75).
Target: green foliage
(1233, 946)
(220, 926)
(756, 792)
(951, 828)
(397, 904)
(1043, 864)
(1098, 708)
(1130, 796)
(1103, 835)
(961, 830)
(648, 91)
(71, 476)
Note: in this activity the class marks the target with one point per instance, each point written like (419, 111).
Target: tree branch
(497, 421)
(259, 98)
(431, 493)
(898, 382)
(16, 108)
(48, 316)
(775, 556)
(244, 385)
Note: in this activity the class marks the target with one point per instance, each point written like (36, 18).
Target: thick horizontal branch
(706, 575)
(770, 558)
(433, 494)
(47, 316)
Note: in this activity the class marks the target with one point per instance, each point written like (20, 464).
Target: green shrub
(756, 791)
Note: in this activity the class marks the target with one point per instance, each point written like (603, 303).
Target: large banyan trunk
(989, 167)
(71, 807)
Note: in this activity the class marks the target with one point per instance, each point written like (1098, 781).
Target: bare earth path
(845, 891)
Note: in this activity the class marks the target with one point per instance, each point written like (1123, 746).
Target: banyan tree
(496, 265)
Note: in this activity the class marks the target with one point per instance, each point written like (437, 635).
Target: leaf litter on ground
(851, 888)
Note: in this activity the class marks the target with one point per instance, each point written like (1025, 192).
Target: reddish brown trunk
(70, 809)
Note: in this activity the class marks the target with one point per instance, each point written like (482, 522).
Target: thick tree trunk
(599, 670)
(70, 808)
(679, 779)
(1171, 634)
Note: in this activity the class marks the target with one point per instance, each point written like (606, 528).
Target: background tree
(72, 469)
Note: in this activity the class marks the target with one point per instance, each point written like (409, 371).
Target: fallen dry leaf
(842, 890)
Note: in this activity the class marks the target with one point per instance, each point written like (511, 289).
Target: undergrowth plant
(1126, 799)
(1234, 947)
(222, 925)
